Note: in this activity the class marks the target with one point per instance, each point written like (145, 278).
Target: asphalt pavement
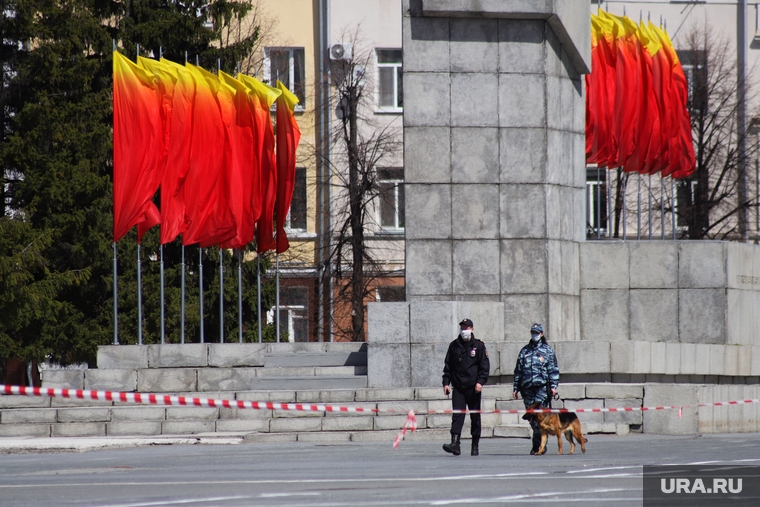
(355, 474)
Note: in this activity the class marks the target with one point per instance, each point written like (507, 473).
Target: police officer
(536, 374)
(466, 368)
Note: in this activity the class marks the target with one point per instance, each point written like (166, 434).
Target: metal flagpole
(638, 211)
(115, 298)
(139, 297)
(609, 204)
(277, 294)
(240, 296)
(673, 206)
(182, 301)
(163, 328)
(200, 285)
(221, 296)
(258, 290)
(625, 208)
(598, 205)
(662, 207)
(649, 193)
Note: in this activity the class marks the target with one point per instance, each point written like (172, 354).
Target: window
(685, 198)
(287, 65)
(694, 64)
(391, 293)
(390, 183)
(296, 219)
(390, 91)
(596, 202)
(294, 314)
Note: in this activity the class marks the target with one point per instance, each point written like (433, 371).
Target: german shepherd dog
(557, 424)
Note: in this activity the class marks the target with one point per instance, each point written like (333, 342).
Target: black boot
(475, 451)
(453, 447)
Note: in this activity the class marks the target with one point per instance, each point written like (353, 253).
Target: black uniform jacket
(466, 364)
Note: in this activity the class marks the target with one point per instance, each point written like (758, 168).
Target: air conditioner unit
(341, 52)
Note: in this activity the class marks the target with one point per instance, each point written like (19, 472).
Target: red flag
(136, 143)
(266, 95)
(206, 187)
(288, 135)
(601, 146)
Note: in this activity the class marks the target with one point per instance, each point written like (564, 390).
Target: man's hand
(514, 394)
(478, 388)
(446, 390)
(554, 392)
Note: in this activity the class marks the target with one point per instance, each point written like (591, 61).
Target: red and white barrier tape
(409, 425)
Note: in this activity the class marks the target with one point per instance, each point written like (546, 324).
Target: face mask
(535, 337)
(466, 334)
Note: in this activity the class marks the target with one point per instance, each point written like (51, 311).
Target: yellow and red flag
(288, 136)
(136, 144)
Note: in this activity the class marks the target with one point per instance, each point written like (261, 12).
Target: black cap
(466, 323)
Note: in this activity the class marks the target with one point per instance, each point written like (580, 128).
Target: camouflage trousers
(531, 396)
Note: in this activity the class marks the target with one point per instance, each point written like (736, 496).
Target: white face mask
(535, 337)
(466, 334)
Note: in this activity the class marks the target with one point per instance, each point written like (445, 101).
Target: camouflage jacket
(536, 366)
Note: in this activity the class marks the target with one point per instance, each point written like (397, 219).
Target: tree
(713, 202)
(360, 144)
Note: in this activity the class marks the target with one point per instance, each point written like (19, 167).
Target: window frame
(301, 106)
(396, 182)
(398, 74)
(288, 224)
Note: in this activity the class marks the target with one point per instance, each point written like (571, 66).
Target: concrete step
(298, 383)
(301, 359)
(306, 371)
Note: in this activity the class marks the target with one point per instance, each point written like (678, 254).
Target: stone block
(522, 155)
(78, 402)
(498, 392)
(192, 414)
(238, 425)
(604, 265)
(187, 427)
(428, 268)
(521, 46)
(427, 155)
(270, 438)
(122, 357)
(84, 415)
(488, 318)
(654, 264)
(524, 267)
(673, 358)
(426, 44)
(427, 364)
(559, 147)
(433, 321)
(474, 113)
(717, 360)
(583, 356)
(474, 262)
(13, 401)
(615, 391)
(164, 380)
(688, 359)
(667, 422)
(522, 211)
(227, 355)
(428, 393)
(521, 100)
(432, 205)
(520, 312)
(329, 396)
(175, 355)
(701, 264)
(25, 430)
(78, 429)
(395, 422)
(554, 104)
(657, 359)
(283, 425)
(111, 380)
(300, 347)
(282, 396)
(427, 99)
(132, 428)
(479, 217)
(702, 315)
(225, 379)
(31, 415)
(138, 413)
(623, 417)
(244, 413)
(564, 268)
(474, 45)
(63, 379)
(587, 417)
(388, 365)
(564, 321)
(388, 323)
(605, 314)
(356, 423)
(573, 391)
(654, 315)
(374, 395)
(742, 317)
(621, 357)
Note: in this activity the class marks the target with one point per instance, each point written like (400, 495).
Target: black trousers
(461, 400)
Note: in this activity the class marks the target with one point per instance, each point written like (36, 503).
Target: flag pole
(258, 290)
(139, 297)
(200, 284)
(163, 328)
(649, 193)
(598, 205)
(662, 206)
(221, 296)
(277, 300)
(182, 300)
(638, 211)
(609, 203)
(625, 208)
(115, 299)
(240, 296)
(673, 206)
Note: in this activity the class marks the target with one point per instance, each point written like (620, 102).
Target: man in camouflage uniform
(536, 376)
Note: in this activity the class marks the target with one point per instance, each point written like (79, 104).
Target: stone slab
(224, 355)
(387, 323)
(163, 380)
(78, 429)
(614, 391)
(623, 417)
(137, 413)
(433, 322)
(15, 416)
(130, 428)
(192, 413)
(13, 401)
(701, 264)
(186, 427)
(172, 355)
(242, 425)
(604, 265)
(111, 380)
(122, 357)
(654, 264)
(25, 430)
(583, 356)
(667, 422)
(389, 365)
(84, 415)
(63, 379)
